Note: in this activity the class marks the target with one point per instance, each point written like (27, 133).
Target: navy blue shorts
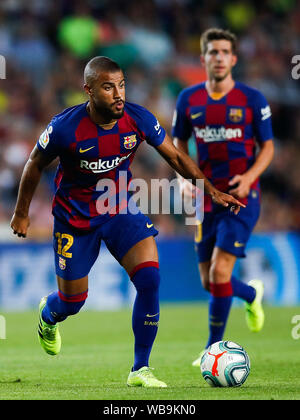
(76, 251)
(222, 228)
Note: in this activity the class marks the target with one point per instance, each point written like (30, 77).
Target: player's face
(219, 59)
(108, 94)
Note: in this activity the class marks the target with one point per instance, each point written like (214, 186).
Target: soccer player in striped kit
(96, 141)
(228, 120)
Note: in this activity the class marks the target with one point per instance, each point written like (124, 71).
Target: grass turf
(97, 354)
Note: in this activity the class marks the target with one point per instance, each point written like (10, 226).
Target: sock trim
(143, 265)
(73, 298)
(221, 289)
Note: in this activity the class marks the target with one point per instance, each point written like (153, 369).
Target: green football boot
(49, 336)
(145, 378)
(255, 316)
(197, 362)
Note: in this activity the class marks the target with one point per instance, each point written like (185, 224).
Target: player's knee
(219, 272)
(146, 276)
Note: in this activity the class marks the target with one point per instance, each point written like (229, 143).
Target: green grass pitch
(97, 355)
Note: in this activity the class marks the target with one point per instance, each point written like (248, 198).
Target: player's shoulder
(68, 117)
(138, 112)
(253, 94)
(257, 101)
(135, 109)
(146, 123)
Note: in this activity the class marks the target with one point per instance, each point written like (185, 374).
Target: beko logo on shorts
(103, 165)
(209, 134)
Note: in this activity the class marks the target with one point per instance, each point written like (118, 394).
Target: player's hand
(20, 225)
(186, 188)
(242, 186)
(227, 200)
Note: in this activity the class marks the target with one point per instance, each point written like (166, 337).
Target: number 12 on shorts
(63, 250)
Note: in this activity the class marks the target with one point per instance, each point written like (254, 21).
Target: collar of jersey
(98, 125)
(218, 98)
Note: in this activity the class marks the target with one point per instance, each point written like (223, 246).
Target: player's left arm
(186, 167)
(262, 126)
(245, 180)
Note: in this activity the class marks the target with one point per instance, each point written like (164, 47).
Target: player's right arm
(45, 151)
(29, 181)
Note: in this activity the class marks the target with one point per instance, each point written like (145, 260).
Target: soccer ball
(225, 364)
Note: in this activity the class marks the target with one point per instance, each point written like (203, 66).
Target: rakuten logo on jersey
(102, 165)
(209, 134)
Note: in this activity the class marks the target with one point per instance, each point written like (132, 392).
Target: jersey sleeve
(181, 126)
(48, 141)
(262, 118)
(153, 132)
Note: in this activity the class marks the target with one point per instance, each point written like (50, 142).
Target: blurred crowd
(46, 45)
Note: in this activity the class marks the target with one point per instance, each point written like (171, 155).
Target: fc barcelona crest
(236, 114)
(130, 141)
(62, 263)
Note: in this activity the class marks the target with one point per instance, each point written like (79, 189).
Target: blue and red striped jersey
(88, 154)
(226, 131)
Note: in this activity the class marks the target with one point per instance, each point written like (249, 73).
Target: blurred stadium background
(46, 45)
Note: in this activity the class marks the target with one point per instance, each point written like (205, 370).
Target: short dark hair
(99, 64)
(215, 34)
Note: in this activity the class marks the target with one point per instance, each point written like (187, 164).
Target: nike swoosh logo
(151, 316)
(85, 150)
(238, 244)
(194, 116)
(149, 226)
